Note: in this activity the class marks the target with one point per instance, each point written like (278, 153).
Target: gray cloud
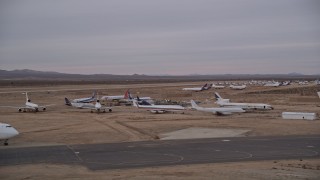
(161, 37)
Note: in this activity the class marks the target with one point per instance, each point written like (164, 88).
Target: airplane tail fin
(218, 97)
(94, 94)
(27, 98)
(208, 86)
(220, 100)
(127, 94)
(204, 86)
(194, 104)
(67, 102)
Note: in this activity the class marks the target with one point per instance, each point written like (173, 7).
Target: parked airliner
(226, 103)
(157, 109)
(126, 97)
(93, 107)
(204, 87)
(238, 87)
(87, 99)
(217, 86)
(29, 106)
(218, 110)
(116, 97)
(7, 132)
(272, 84)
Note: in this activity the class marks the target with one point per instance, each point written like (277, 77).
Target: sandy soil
(61, 124)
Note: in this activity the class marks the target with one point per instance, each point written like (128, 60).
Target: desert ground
(61, 124)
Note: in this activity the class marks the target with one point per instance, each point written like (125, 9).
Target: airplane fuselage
(238, 87)
(246, 105)
(218, 111)
(112, 98)
(84, 100)
(192, 89)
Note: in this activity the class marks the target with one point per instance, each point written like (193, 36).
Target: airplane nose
(15, 132)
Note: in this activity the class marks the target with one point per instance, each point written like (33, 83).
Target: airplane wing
(49, 105)
(44, 106)
(10, 107)
(86, 107)
(18, 107)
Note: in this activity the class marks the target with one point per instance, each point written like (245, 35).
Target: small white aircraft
(218, 110)
(29, 106)
(204, 87)
(226, 102)
(238, 87)
(93, 107)
(7, 132)
(157, 109)
(217, 86)
(86, 100)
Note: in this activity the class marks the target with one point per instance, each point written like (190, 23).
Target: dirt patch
(197, 132)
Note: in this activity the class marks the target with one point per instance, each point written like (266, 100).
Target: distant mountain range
(27, 74)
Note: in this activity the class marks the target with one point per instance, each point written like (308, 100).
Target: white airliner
(204, 87)
(139, 99)
(226, 103)
(7, 132)
(126, 97)
(157, 109)
(97, 107)
(86, 100)
(272, 84)
(238, 87)
(218, 110)
(217, 86)
(29, 106)
(117, 97)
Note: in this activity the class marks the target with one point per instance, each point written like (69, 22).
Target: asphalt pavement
(164, 153)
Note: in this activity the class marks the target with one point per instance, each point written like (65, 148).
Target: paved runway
(162, 153)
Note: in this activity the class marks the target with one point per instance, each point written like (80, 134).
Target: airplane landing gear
(6, 142)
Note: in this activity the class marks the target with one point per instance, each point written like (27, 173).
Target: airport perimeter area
(64, 126)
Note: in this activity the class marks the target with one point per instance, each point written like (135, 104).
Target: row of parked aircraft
(221, 85)
(87, 103)
(209, 86)
(227, 108)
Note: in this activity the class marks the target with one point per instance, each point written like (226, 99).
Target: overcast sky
(175, 37)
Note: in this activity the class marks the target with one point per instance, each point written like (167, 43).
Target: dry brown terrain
(61, 124)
